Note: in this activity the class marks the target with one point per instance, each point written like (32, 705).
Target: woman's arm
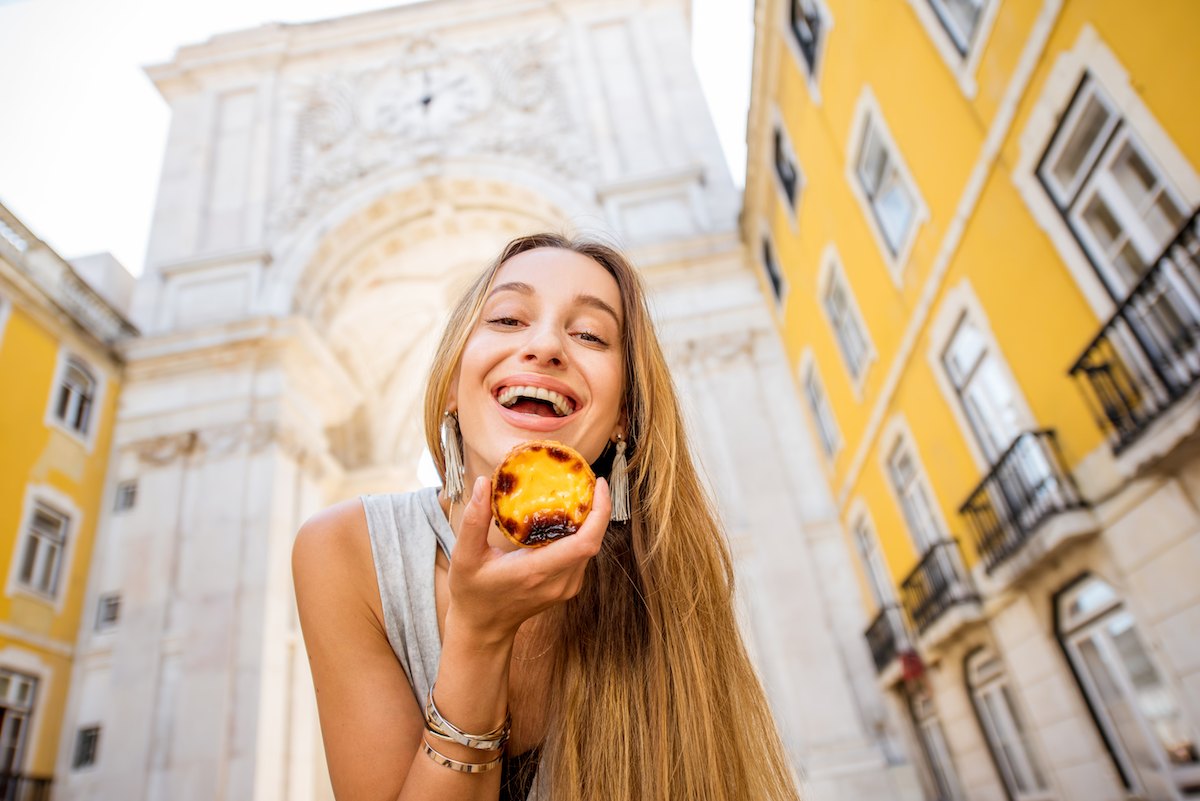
(371, 724)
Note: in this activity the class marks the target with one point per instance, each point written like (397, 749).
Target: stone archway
(376, 290)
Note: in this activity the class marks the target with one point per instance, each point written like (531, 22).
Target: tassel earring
(618, 484)
(452, 455)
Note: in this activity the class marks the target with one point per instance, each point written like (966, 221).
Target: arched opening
(377, 290)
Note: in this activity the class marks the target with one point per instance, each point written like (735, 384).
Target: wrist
(476, 638)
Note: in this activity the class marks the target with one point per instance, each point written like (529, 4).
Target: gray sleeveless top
(405, 530)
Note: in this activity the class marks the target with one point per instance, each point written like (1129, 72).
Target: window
(847, 325)
(785, 167)
(961, 20)
(807, 29)
(985, 390)
(42, 550)
(126, 496)
(770, 266)
(108, 611)
(822, 414)
(933, 744)
(74, 398)
(17, 695)
(1140, 713)
(913, 497)
(893, 203)
(87, 742)
(1115, 198)
(872, 558)
(1004, 728)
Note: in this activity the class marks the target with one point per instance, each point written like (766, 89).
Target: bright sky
(82, 129)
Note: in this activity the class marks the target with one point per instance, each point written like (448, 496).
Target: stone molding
(351, 124)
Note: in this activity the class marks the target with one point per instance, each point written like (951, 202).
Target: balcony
(938, 591)
(19, 787)
(888, 639)
(1146, 358)
(1025, 507)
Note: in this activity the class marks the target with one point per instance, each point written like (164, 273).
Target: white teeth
(562, 405)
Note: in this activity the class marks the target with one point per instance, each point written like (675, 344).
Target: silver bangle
(462, 767)
(445, 730)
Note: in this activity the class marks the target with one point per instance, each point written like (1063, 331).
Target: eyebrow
(582, 299)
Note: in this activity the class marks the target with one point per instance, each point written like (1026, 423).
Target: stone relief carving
(248, 438)
(430, 101)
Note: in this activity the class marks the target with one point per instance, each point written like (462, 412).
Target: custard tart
(541, 492)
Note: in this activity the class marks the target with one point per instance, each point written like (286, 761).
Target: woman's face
(545, 360)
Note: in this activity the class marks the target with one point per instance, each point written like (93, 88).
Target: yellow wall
(34, 453)
(1036, 310)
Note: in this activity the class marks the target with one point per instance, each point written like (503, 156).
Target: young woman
(614, 652)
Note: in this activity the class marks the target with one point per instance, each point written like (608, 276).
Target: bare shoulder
(334, 539)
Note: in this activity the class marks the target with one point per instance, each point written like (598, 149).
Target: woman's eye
(588, 336)
(508, 321)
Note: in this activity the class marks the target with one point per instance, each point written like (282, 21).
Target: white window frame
(67, 356)
(1092, 57)
(1085, 627)
(22, 660)
(1007, 735)
(779, 128)
(897, 435)
(830, 276)
(934, 746)
(767, 249)
(1094, 178)
(869, 120)
(829, 434)
(812, 76)
(17, 678)
(871, 557)
(48, 496)
(963, 65)
(961, 302)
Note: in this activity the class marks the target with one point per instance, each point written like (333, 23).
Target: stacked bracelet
(443, 729)
(446, 731)
(462, 767)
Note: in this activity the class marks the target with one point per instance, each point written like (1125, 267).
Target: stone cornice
(276, 42)
(50, 274)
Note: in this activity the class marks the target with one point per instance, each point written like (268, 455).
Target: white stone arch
(543, 196)
(376, 284)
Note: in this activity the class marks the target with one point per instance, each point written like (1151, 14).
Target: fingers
(575, 550)
(477, 517)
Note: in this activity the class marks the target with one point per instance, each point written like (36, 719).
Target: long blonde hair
(652, 695)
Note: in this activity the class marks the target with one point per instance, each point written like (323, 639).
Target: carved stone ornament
(162, 451)
(431, 101)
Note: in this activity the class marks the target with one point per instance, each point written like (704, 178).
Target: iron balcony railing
(1147, 356)
(936, 584)
(887, 636)
(20, 787)
(1027, 486)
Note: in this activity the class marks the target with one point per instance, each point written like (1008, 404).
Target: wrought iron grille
(1147, 356)
(1027, 486)
(937, 583)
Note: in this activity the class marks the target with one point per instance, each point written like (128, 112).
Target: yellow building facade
(977, 219)
(61, 377)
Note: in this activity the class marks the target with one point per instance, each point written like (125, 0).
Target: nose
(544, 346)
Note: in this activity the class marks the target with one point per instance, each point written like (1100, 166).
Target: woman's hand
(493, 591)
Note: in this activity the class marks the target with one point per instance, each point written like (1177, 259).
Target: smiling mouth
(536, 401)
